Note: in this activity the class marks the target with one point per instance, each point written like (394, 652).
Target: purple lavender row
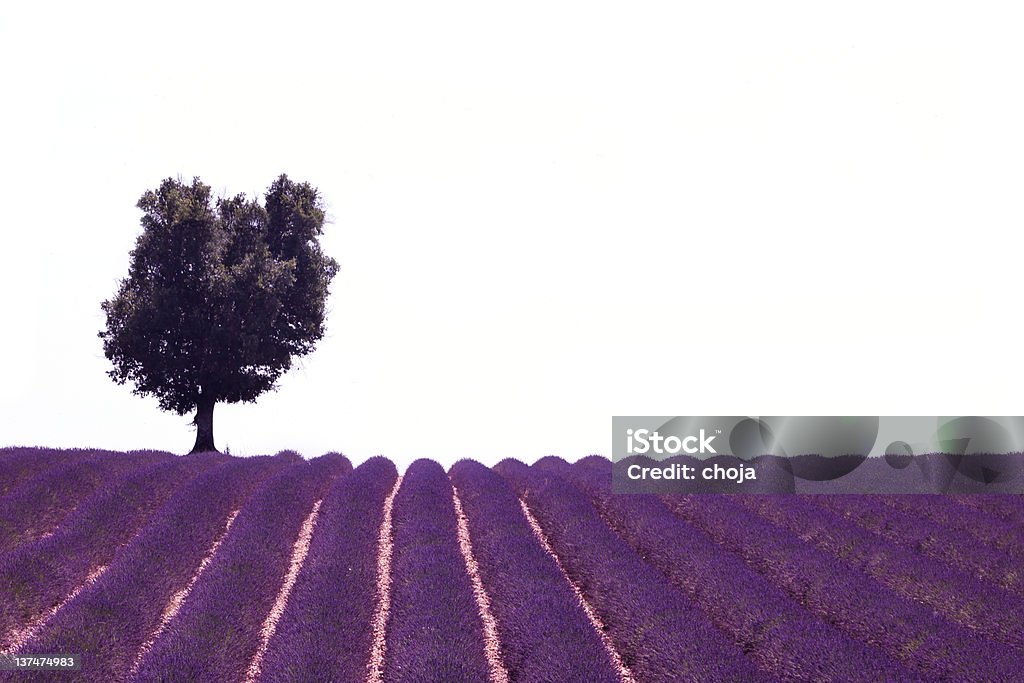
(21, 464)
(37, 506)
(960, 597)
(994, 531)
(544, 632)
(845, 596)
(660, 635)
(111, 620)
(1006, 506)
(777, 633)
(915, 532)
(434, 632)
(325, 631)
(36, 576)
(225, 610)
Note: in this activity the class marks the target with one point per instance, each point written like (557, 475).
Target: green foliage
(220, 295)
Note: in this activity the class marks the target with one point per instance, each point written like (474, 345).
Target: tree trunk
(204, 424)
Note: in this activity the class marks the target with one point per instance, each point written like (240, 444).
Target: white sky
(546, 213)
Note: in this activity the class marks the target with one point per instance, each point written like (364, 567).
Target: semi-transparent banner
(860, 454)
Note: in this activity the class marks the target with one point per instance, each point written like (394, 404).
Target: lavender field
(155, 567)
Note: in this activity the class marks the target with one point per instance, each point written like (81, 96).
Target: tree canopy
(221, 294)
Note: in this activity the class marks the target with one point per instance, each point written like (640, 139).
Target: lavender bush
(36, 576)
(36, 506)
(916, 533)
(660, 635)
(324, 633)
(21, 464)
(110, 621)
(1007, 507)
(991, 530)
(961, 598)
(545, 633)
(434, 632)
(776, 632)
(845, 596)
(225, 610)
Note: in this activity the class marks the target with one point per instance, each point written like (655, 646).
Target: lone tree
(220, 295)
